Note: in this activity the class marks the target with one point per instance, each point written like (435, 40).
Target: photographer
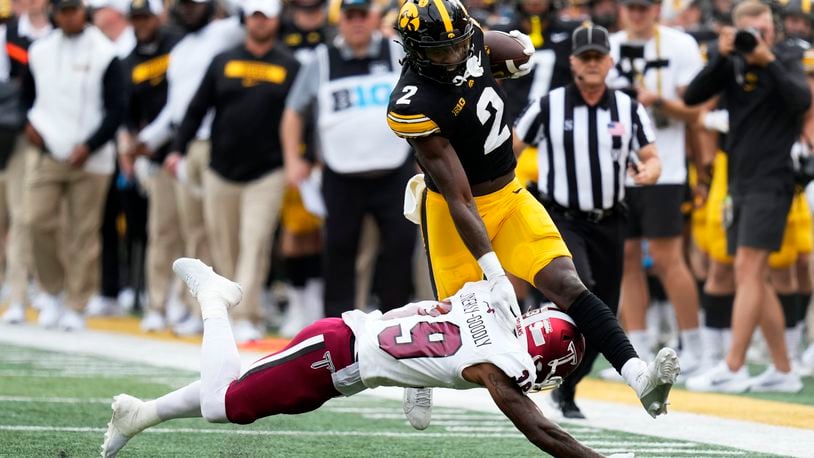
(656, 63)
(766, 95)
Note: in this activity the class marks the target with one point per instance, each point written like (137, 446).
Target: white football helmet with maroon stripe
(554, 343)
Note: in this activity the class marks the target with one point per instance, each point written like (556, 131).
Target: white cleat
(417, 406)
(130, 417)
(774, 381)
(204, 283)
(721, 379)
(655, 382)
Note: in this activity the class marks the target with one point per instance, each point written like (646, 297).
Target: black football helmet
(437, 37)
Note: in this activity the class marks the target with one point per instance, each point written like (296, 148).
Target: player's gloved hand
(528, 49)
(501, 288)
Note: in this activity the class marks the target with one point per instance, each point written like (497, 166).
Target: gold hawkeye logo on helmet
(408, 17)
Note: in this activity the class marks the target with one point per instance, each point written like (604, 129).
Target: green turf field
(57, 405)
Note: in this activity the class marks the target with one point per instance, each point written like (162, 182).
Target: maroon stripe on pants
(298, 383)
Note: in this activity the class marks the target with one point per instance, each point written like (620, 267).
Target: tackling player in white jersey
(458, 343)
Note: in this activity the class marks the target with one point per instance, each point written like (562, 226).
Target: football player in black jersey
(475, 215)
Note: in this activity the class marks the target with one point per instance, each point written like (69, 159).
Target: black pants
(598, 250)
(110, 275)
(348, 199)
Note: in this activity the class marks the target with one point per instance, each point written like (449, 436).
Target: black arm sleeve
(203, 99)
(29, 90)
(791, 84)
(709, 82)
(113, 96)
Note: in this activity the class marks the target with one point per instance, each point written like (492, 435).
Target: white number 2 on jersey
(499, 132)
(409, 92)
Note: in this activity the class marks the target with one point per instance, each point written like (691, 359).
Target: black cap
(641, 2)
(307, 4)
(355, 5)
(145, 8)
(590, 38)
(59, 4)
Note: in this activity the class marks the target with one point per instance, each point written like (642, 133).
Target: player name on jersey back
(432, 351)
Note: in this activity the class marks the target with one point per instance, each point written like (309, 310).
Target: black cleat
(568, 407)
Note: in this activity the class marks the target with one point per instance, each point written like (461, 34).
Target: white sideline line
(243, 432)
(741, 434)
(57, 400)
(74, 429)
(603, 446)
(674, 451)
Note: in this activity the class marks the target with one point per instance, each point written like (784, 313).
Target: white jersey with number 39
(432, 351)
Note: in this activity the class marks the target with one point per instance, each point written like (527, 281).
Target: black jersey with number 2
(471, 116)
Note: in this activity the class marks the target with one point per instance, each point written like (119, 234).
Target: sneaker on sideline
(50, 311)
(71, 321)
(774, 381)
(192, 326)
(690, 366)
(14, 315)
(102, 306)
(246, 331)
(153, 321)
(721, 379)
(610, 375)
(176, 311)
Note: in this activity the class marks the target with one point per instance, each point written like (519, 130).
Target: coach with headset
(587, 134)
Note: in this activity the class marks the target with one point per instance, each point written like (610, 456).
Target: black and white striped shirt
(583, 150)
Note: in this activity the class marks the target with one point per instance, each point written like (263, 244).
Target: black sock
(718, 310)
(296, 269)
(601, 329)
(312, 265)
(791, 305)
(803, 300)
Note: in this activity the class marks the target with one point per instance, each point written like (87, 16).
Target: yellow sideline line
(718, 405)
(124, 325)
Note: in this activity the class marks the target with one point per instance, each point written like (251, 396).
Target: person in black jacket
(766, 95)
(243, 186)
(146, 69)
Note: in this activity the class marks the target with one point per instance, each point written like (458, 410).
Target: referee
(588, 136)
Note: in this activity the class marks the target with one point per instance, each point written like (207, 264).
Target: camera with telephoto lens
(746, 40)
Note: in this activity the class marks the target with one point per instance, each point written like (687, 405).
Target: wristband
(490, 265)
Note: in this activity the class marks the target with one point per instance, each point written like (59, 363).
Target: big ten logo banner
(362, 96)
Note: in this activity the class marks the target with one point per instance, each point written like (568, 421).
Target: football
(505, 53)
